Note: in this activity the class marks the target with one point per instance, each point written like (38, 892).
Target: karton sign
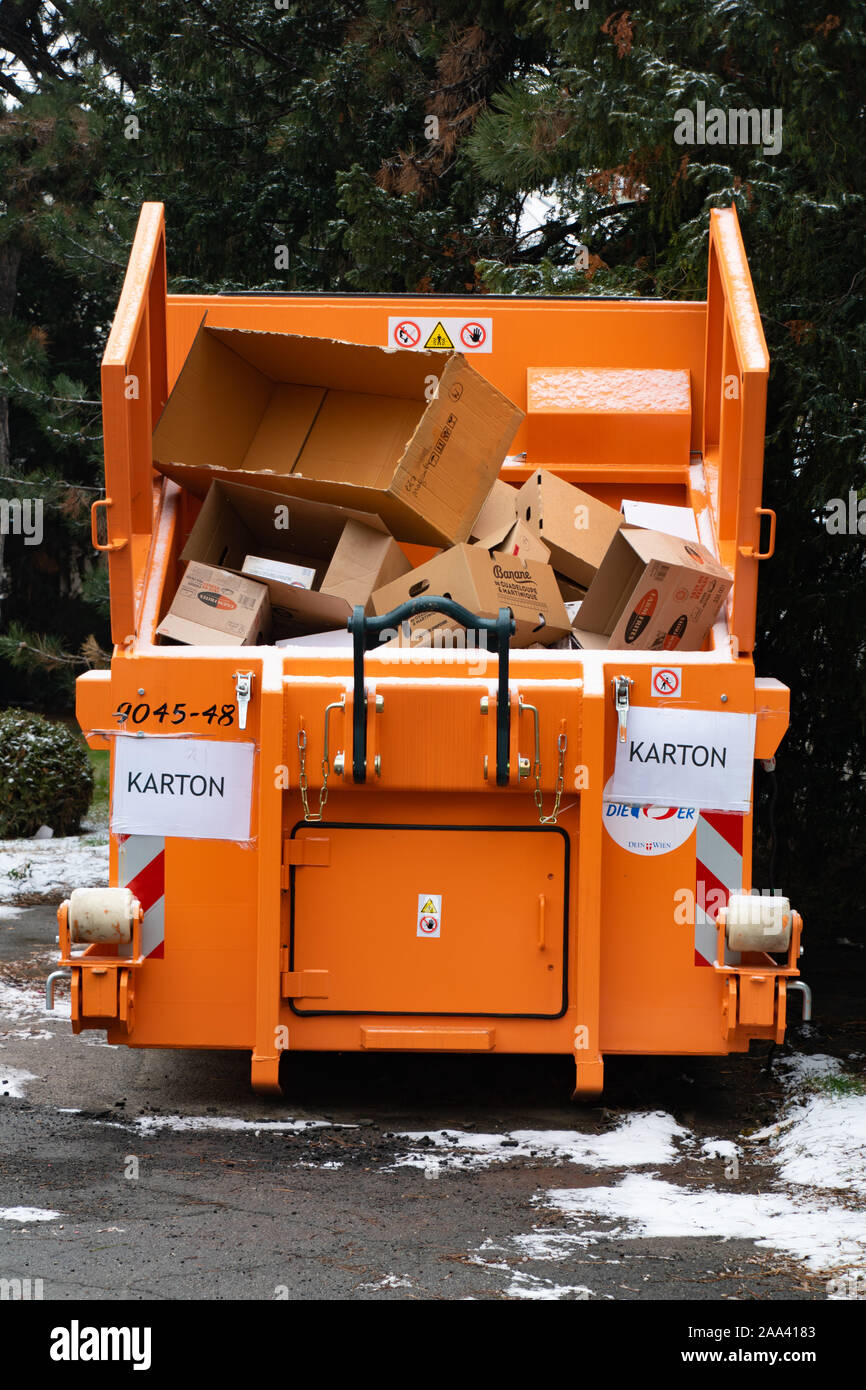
(675, 757)
(195, 788)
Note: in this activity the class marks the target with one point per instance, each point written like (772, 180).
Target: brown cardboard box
(351, 552)
(519, 540)
(483, 583)
(576, 528)
(498, 514)
(213, 607)
(363, 561)
(652, 592)
(341, 423)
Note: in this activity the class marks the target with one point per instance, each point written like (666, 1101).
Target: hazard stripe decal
(141, 869)
(718, 873)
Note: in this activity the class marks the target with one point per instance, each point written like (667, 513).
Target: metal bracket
(244, 688)
(621, 686)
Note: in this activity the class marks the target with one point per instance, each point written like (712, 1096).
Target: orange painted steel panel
(495, 932)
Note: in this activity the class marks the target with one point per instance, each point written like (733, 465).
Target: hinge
(309, 852)
(305, 984)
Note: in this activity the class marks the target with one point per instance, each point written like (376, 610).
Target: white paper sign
(677, 757)
(195, 788)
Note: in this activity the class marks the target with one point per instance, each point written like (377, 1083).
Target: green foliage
(45, 776)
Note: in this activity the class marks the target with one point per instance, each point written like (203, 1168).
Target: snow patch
(641, 1139)
(798, 1071)
(27, 1001)
(391, 1281)
(150, 1124)
(26, 1214)
(824, 1144)
(47, 870)
(13, 1082)
(821, 1235)
(719, 1148)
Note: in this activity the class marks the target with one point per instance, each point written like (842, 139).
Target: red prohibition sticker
(667, 681)
(473, 335)
(407, 334)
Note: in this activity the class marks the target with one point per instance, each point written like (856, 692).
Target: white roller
(102, 914)
(758, 924)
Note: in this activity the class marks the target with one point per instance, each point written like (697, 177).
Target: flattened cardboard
(340, 423)
(213, 607)
(653, 592)
(483, 583)
(576, 528)
(235, 521)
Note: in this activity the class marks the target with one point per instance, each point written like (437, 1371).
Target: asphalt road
(334, 1210)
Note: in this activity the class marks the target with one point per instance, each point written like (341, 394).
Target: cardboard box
(519, 540)
(498, 514)
(350, 553)
(576, 528)
(264, 567)
(213, 607)
(652, 592)
(363, 561)
(341, 423)
(483, 583)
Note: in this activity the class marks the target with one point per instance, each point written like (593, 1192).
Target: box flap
(498, 512)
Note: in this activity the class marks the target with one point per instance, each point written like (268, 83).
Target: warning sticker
(439, 338)
(667, 681)
(446, 334)
(429, 914)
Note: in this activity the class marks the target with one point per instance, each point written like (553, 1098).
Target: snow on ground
(26, 1214)
(642, 1138)
(149, 1124)
(13, 1081)
(391, 1281)
(643, 1206)
(33, 871)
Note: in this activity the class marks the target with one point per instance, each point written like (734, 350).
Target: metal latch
(244, 688)
(621, 686)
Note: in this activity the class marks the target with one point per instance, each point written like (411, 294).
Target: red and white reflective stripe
(141, 869)
(719, 872)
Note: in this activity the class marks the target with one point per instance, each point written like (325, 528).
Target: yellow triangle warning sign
(429, 906)
(439, 339)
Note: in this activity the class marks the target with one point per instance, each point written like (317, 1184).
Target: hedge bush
(45, 776)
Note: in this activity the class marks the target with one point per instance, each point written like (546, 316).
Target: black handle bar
(366, 632)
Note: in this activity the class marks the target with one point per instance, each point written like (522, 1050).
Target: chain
(302, 779)
(561, 744)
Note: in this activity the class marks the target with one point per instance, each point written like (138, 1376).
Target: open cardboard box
(351, 552)
(483, 583)
(576, 528)
(652, 592)
(214, 608)
(341, 423)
